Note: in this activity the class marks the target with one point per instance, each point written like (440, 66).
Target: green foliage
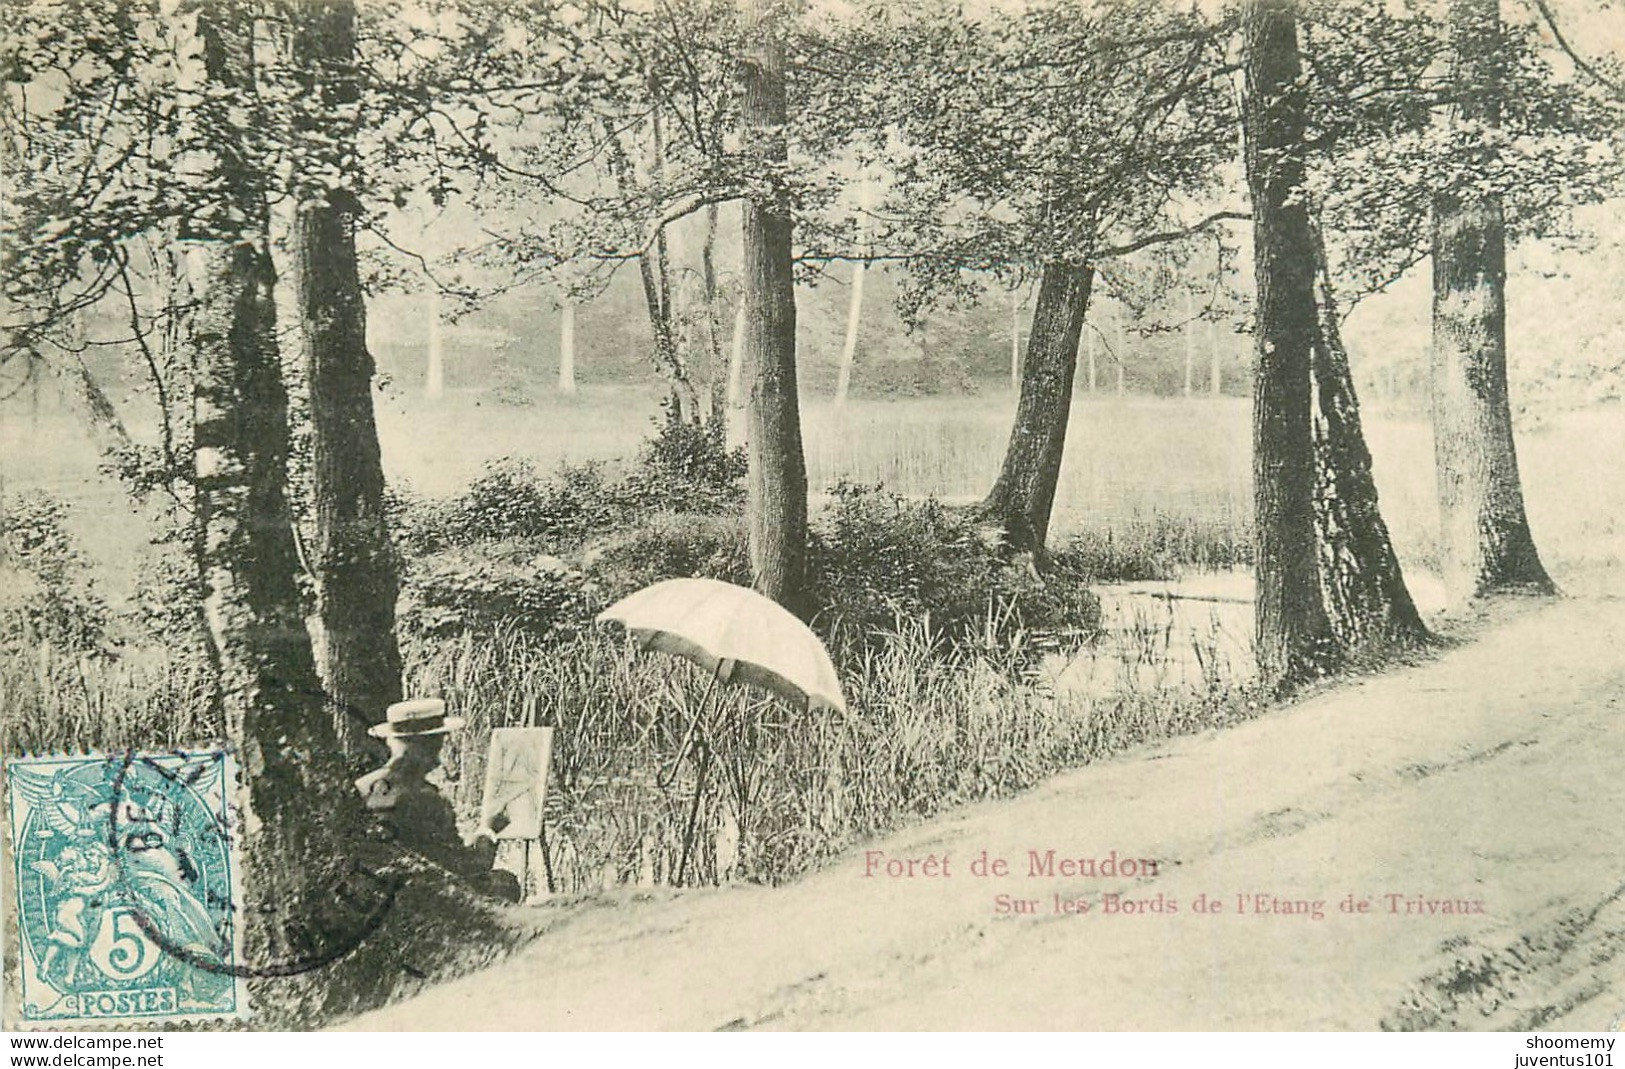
(166, 609)
(485, 590)
(686, 467)
(1391, 137)
(877, 557)
(669, 546)
(46, 591)
(509, 501)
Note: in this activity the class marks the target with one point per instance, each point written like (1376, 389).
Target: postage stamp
(126, 879)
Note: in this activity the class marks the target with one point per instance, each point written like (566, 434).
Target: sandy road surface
(1493, 774)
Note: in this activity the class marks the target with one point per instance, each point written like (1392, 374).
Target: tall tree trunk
(777, 482)
(1190, 344)
(668, 356)
(1367, 603)
(849, 344)
(1122, 356)
(567, 345)
(718, 369)
(1293, 641)
(434, 376)
(1024, 493)
(1487, 544)
(1015, 340)
(299, 802)
(736, 379)
(354, 559)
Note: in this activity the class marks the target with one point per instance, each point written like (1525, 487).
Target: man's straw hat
(415, 718)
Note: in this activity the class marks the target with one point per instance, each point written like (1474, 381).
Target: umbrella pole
(704, 747)
(694, 808)
(688, 736)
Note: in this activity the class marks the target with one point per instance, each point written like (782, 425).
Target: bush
(490, 589)
(667, 547)
(509, 501)
(686, 467)
(49, 597)
(165, 609)
(877, 557)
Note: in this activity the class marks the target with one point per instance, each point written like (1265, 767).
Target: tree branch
(1610, 84)
(1166, 236)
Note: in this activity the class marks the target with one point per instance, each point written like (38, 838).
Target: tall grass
(782, 789)
(56, 702)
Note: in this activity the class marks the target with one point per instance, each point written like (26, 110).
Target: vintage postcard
(1089, 515)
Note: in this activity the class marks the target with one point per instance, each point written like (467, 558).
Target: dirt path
(1493, 775)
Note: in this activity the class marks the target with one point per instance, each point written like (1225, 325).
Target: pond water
(1195, 631)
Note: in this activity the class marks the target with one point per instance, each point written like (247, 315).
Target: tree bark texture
(1367, 602)
(777, 480)
(668, 354)
(712, 295)
(1293, 635)
(567, 345)
(298, 799)
(1023, 496)
(849, 344)
(354, 558)
(1486, 543)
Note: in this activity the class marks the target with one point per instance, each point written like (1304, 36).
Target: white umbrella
(735, 634)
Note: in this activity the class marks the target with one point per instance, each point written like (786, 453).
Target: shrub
(686, 467)
(669, 546)
(165, 609)
(50, 598)
(877, 557)
(509, 501)
(489, 589)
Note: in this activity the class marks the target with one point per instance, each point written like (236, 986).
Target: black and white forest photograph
(811, 515)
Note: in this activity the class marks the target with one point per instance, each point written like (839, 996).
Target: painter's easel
(515, 793)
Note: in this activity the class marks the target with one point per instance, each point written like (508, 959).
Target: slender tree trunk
(718, 370)
(1293, 639)
(298, 802)
(354, 558)
(567, 345)
(1190, 345)
(1024, 493)
(668, 356)
(1015, 341)
(434, 378)
(1487, 544)
(1122, 357)
(1092, 343)
(777, 482)
(849, 345)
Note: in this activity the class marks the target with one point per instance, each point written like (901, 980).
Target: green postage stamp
(124, 878)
